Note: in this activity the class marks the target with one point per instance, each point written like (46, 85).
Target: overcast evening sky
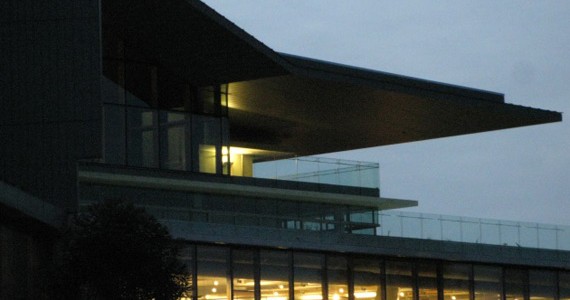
(518, 48)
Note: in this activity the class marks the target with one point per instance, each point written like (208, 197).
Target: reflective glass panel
(274, 275)
(307, 274)
(399, 280)
(367, 279)
(542, 285)
(427, 281)
(337, 276)
(114, 136)
(564, 285)
(243, 275)
(186, 256)
(514, 283)
(456, 281)
(142, 138)
(206, 134)
(212, 273)
(487, 281)
(175, 141)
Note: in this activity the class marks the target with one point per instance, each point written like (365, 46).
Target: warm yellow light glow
(216, 282)
(364, 295)
(275, 293)
(336, 297)
(453, 297)
(341, 290)
(214, 297)
(276, 298)
(312, 297)
(214, 290)
(281, 286)
(402, 294)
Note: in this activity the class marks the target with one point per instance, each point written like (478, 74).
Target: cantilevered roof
(294, 104)
(325, 107)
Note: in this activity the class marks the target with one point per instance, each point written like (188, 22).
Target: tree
(118, 251)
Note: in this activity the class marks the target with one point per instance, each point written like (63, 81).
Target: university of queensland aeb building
(173, 107)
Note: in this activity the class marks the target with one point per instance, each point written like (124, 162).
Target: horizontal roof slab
(324, 107)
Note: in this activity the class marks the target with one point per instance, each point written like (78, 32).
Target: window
(367, 279)
(487, 282)
(399, 280)
(456, 281)
(308, 278)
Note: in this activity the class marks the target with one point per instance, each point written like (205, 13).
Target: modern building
(170, 105)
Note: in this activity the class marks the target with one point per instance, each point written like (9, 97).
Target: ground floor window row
(223, 272)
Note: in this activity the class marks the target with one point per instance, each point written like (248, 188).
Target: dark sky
(519, 48)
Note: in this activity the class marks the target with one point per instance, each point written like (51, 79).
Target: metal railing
(473, 230)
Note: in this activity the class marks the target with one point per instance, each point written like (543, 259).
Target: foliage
(118, 251)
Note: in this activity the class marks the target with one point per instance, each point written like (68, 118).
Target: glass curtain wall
(154, 119)
(222, 272)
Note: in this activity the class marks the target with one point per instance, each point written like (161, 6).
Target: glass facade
(226, 272)
(155, 120)
(236, 210)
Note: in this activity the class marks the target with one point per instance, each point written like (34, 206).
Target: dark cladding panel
(50, 94)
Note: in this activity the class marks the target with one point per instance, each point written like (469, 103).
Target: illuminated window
(337, 276)
(367, 279)
(274, 275)
(456, 281)
(307, 274)
(488, 283)
(399, 280)
(212, 273)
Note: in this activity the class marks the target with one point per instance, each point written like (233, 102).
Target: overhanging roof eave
(384, 80)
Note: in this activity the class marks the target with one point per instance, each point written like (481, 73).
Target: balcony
(321, 170)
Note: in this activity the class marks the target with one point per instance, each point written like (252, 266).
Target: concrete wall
(24, 261)
(50, 103)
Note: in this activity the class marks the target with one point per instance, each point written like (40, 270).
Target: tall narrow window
(337, 278)
(308, 276)
(274, 275)
(514, 284)
(207, 144)
(114, 134)
(186, 256)
(367, 280)
(399, 280)
(488, 282)
(213, 273)
(142, 139)
(243, 275)
(175, 147)
(564, 285)
(427, 281)
(456, 281)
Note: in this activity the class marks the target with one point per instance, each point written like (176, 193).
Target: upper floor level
(175, 86)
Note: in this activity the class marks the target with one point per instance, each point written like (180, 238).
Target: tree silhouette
(118, 251)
